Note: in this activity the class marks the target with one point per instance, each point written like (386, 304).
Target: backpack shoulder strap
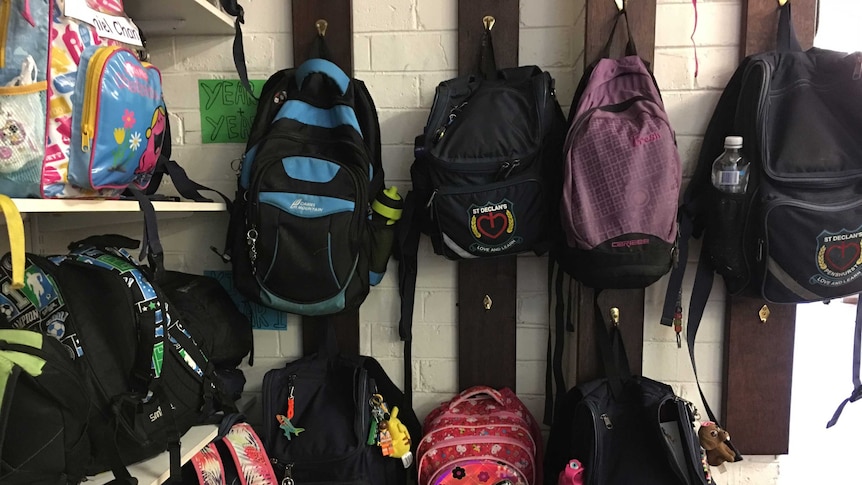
(234, 9)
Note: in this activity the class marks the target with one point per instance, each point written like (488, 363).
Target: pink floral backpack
(481, 437)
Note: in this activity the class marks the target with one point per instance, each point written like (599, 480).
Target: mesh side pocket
(22, 133)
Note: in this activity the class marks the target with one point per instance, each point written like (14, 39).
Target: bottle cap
(733, 142)
(388, 204)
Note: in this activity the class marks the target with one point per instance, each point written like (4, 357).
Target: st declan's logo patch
(839, 258)
(493, 227)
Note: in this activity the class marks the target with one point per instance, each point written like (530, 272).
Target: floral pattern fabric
(477, 434)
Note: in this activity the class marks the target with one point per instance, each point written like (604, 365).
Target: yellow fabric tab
(25, 89)
(15, 227)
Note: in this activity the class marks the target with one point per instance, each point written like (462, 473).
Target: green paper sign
(227, 109)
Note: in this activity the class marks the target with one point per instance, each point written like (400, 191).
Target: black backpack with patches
(795, 234)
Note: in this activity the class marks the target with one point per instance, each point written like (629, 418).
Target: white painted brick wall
(402, 49)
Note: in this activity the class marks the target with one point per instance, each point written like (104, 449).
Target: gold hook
(321, 27)
(621, 4)
(488, 21)
(486, 302)
(763, 314)
(615, 316)
(782, 2)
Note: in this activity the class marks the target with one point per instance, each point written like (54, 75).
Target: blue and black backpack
(301, 237)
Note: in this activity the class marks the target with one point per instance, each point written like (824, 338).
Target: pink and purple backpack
(621, 177)
(481, 437)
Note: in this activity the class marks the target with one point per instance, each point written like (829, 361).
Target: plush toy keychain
(400, 439)
(714, 440)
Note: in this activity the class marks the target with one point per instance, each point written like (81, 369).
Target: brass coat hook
(321, 27)
(781, 2)
(615, 316)
(621, 4)
(488, 21)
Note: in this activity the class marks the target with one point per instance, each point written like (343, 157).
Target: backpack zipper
(95, 70)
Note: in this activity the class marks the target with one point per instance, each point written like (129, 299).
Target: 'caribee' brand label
(643, 140)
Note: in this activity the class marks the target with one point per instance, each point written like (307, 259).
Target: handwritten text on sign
(227, 110)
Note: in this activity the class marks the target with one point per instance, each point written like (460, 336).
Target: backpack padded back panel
(621, 179)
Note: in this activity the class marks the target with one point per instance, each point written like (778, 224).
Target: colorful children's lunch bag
(81, 115)
(481, 437)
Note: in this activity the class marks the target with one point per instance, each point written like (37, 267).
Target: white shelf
(86, 205)
(156, 470)
(179, 17)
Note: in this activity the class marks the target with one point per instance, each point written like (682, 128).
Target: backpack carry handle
(631, 49)
(327, 68)
(786, 40)
(487, 61)
(476, 391)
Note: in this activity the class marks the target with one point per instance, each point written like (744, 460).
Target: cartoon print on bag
(155, 136)
(839, 257)
(492, 226)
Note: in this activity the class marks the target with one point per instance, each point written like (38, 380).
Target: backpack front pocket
(491, 220)
(303, 239)
(118, 121)
(809, 251)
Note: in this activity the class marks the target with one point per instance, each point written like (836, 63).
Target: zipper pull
(251, 240)
(607, 420)
(288, 475)
(431, 199)
(512, 166)
(503, 168)
(85, 139)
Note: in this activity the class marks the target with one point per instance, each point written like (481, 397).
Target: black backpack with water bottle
(311, 227)
(794, 234)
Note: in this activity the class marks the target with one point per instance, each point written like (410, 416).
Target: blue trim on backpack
(310, 169)
(325, 118)
(305, 205)
(247, 161)
(326, 68)
(329, 253)
(325, 307)
(374, 279)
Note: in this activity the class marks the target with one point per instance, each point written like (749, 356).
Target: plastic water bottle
(730, 170)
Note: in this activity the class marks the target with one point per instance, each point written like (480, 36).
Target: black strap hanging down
(857, 359)
(235, 10)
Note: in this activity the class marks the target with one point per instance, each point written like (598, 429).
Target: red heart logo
(842, 256)
(488, 224)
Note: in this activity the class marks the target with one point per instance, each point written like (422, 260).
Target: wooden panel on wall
(339, 40)
(486, 338)
(758, 358)
(599, 22)
(760, 22)
(758, 368)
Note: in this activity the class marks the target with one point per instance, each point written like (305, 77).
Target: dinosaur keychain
(284, 419)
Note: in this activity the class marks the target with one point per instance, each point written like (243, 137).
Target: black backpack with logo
(43, 412)
(795, 234)
(486, 179)
(299, 237)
